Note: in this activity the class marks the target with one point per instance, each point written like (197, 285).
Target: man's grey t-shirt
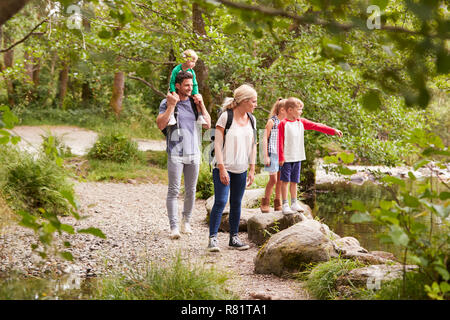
(182, 138)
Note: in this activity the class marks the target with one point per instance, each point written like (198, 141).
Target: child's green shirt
(175, 71)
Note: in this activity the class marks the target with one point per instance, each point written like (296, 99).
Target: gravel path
(133, 217)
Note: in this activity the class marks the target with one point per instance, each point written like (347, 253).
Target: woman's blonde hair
(279, 104)
(242, 93)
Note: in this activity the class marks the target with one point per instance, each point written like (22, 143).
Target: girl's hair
(292, 103)
(189, 54)
(279, 104)
(242, 93)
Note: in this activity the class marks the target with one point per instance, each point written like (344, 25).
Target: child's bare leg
(284, 190)
(278, 187)
(293, 190)
(269, 187)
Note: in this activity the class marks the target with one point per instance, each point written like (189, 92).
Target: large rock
(349, 248)
(262, 226)
(373, 276)
(249, 200)
(286, 251)
(246, 215)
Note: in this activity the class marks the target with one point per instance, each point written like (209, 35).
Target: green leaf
(371, 101)
(67, 228)
(398, 236)
(69, 196)
(104, 34)
(346, 157)
(94, 231)
(66, 255)
(393, 180)
(420, 164)
(232, 28)
(357, 205)
(360, 218)
(410, 201)
(345, 171)
(444, 195)
(386, 205)
(330, 159)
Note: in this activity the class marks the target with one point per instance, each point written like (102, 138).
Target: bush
(205, 184)
(114, 147)
(29, 184)
(174, 281)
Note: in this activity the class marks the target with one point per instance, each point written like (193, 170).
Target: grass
(7, 216)
(149, 166)
(321, 278)
(29, 184)
(139, 123)
(176, 280)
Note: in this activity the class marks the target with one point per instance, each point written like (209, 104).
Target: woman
(235, 152)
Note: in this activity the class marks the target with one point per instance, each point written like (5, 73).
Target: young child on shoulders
(291, 150)
(270, 151)
(190, 59)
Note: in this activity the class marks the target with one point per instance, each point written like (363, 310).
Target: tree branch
(24, 38)
(139, 59)
(307, 19)
(148, 84)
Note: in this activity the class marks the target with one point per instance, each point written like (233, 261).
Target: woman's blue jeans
(236, 190)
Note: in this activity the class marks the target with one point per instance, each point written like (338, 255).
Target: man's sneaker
(201, 119)
(285, 209)
(297, 207)
(213, 245)
(186, 227)
(175, 234)
(236, 243)
(172, 120)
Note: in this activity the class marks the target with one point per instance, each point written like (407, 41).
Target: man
(183, 149)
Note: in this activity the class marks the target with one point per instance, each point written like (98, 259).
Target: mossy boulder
(290, 249)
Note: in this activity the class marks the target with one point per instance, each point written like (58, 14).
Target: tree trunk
(9, 8)
(36, 72)
(8, 59)
(117, 92)
(63, 82)
(86, 92)
(28, 65)
(201, 70)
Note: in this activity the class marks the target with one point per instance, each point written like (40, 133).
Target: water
(329, 202)
(68, 287)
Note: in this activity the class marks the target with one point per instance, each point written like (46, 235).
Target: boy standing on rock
(291, 150)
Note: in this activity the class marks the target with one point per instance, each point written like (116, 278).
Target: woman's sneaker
(236, 243)
(213, 245)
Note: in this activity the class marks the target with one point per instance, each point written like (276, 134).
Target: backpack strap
(194, 107)
(252, 121)
(230, 116)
